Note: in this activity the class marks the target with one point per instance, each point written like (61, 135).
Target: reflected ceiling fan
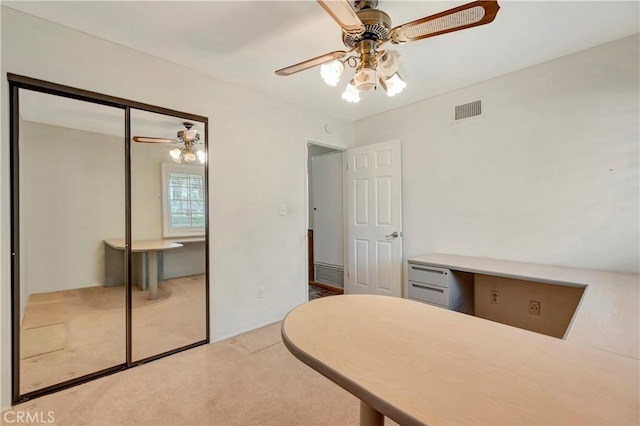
(366, 30)
(187, 154)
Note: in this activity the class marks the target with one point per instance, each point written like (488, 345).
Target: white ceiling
(244, 42)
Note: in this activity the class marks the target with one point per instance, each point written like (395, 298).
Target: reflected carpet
(68, 334)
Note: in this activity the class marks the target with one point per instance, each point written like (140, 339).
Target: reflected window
(183, 200)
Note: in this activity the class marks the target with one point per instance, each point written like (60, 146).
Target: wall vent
(472, 109)
(331, 275)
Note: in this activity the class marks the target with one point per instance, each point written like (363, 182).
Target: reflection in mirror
(72, 197)
(168, 210)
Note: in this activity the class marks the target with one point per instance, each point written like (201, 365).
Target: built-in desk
(147, 265)
(607, 316)
(419, 364)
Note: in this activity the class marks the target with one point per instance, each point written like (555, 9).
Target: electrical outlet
(494, 296)
(260, 292)
(534, 307)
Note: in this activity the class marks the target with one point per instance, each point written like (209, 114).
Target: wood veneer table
(150, 248)
(608, 316)
(420, 364)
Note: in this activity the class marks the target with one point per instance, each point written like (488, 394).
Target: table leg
(152, 259)
(369, 416)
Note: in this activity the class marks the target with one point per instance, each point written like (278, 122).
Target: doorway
(325, 165)
(365, 256)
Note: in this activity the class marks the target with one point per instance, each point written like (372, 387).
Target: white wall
(312, 151)
(146, 189)
(72, 197)
(72, 191)
(548, 174)
(328, 238)
(256, 164)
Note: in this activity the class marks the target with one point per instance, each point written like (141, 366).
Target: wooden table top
(608, 316)
(420, 364)
(147, 245)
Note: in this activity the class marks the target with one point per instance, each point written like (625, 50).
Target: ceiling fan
(187, 154)
(366, 30)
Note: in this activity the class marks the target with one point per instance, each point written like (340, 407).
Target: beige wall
(557, 304)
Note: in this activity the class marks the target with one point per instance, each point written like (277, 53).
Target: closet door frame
(17, 82)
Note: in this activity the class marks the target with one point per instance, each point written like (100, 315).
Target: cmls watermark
(30, 417)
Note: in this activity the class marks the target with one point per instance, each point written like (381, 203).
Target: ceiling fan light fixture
(176, 154)
(351, 94)
(188, 135)
(188, 156)
(394, 84)
(366, 29)
(389, 63)
(366, 79)
(331, 72)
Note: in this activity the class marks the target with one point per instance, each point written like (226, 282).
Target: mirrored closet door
(72, 196)
(109, 236)
(168, 213)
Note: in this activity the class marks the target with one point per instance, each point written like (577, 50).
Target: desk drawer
(429, 293)
(429, 275)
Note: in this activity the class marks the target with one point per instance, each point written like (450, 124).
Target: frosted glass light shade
(366, 79)
(175, 154)
(389, 63)
(188, 156)
(395, 85)
(351, 94)
(331, 72)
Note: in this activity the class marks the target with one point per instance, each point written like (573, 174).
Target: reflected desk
(148, 262)
(420, 364)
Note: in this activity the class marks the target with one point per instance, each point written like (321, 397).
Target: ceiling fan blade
(459, 18)
(311, 63)
(342, 12)
(146, 139)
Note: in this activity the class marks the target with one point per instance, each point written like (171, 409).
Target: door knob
(394, 235)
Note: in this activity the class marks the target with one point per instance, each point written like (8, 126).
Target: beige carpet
(42, 340)
(250, 379)
(68, 334)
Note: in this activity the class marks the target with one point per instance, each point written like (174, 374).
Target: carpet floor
(250, 379)
(68, 334)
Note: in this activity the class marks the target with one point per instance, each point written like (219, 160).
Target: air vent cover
(472, 109)
(331, 275)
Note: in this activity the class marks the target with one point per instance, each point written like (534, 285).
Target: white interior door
(374, 180)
